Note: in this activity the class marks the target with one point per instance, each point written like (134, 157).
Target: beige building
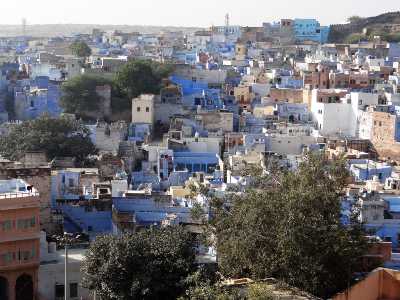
(261, 111)
(143, 109)
(243, 95)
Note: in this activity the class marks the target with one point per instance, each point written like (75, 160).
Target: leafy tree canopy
(355, 38)
(79, 94)
(55, 137)
(150, 264)
(354, 19)
(292, 230)
(141, 76)
(80, 49)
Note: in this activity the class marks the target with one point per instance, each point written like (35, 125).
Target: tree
(355, 38)
(293, 231)
(79, 94)
(80, 49)
(354, 19)
(150, 264)
(56, 137)
(141, 76)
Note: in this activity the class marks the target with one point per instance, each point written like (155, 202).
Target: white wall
(262, 89)
(145, 104)
(210, 144)
(291, 145)
(51, 274)
(334, 119)
(365, 125)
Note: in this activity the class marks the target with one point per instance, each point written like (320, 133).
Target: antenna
(227, 20)
(23, 27)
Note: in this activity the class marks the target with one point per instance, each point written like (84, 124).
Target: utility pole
(227, 21)
(23, 27)
(67, 239)
(66, 272)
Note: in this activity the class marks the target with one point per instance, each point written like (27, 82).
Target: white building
(143, 109)
(334, 116)
(51, 273)
(334, 119)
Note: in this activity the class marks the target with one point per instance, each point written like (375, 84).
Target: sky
(196, 13)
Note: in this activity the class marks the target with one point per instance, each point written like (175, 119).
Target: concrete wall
(215, 121)
(383, 135)
(381, 284)
(52, 274)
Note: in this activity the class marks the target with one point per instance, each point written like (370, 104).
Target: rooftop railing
(18, 194)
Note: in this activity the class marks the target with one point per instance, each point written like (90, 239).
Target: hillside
(52, 30)
(386, 25)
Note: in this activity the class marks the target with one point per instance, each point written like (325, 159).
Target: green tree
(56, 137)
(355, 38)
(141, 76)
(79, 94)
(292, 230)
(80, 49)
(354, 19)
(150, 264)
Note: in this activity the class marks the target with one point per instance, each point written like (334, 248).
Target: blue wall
(310, 29)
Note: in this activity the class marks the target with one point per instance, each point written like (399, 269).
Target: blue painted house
(310, 30)
(364, 169)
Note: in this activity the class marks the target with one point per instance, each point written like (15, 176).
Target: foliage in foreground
(293, 231)
(150, 264)
(55, 137)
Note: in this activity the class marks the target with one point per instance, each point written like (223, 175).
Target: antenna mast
(23, 27)
(227, 20)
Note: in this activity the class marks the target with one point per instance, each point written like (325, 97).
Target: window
(138, 109)
(7, 257)
(73, 290)
(6, 225)
(70, 182)
(23, 255)
(147, 109)
(33, 252)
(59, 291)
(22, 224)
(26, 223)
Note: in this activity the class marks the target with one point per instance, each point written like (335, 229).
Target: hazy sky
(186, 12)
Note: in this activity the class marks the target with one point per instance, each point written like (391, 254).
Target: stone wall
(383, 135)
